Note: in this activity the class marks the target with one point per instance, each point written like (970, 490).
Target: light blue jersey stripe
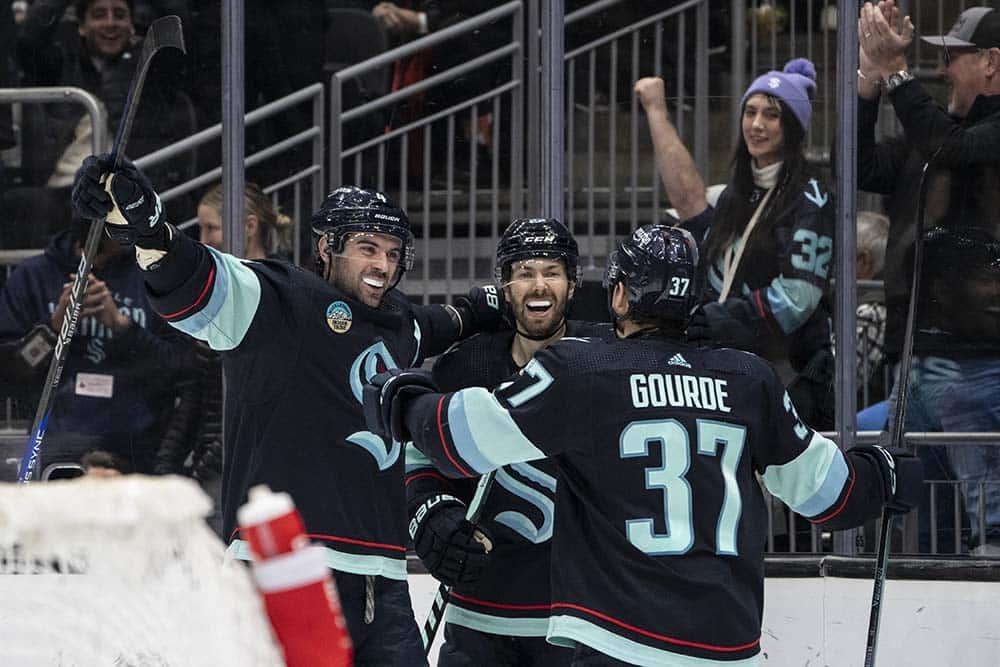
(570, 630)
(376, 566)
(414, 458)
(812, 481)
(483, 432)
(231, 307)
(495, 625)
(792, 301)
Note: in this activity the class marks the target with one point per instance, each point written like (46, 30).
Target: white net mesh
(122, 572)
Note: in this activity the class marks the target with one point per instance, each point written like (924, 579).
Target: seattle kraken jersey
(660, 522)
(296, 353)
(512, 597)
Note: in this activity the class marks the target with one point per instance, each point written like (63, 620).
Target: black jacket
(963, 191)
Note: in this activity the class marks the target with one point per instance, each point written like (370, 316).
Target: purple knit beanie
(795, 86)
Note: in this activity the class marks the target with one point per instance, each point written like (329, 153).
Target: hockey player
(659, 520)
(498, 607)
(297, 349)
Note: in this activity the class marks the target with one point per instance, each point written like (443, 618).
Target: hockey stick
(163, 32)
(895, 437)
(436, 613)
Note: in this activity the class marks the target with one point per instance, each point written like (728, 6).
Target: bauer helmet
(659, 267)
(526, 238)
(350, 209)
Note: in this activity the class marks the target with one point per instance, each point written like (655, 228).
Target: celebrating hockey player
(658, 543)
(498, 607)
(297, 349)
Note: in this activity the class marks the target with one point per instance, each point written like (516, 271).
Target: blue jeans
(391, 639)
(960, 395)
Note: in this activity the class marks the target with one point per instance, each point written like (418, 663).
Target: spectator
(872, 233)
(97, 52)
(955, 155)
(100, 464)
(769, 240)
(296, 349)
(116, 387)
(267, 230)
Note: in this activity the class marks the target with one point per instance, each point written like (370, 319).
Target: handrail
(98, 117)
(432, 39)
(928, 437)
(15, 257)
(629, 29)
(255, 116)
(429, 82)
(590, 10)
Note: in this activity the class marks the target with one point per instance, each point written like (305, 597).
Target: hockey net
(122, 572)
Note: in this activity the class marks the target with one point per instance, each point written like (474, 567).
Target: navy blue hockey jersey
(296, 353)
(660, 523)
(512, 597)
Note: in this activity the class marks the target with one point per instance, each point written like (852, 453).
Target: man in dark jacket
(955, 154)
(110, 397)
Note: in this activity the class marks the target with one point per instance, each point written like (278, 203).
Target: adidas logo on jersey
(679, 360)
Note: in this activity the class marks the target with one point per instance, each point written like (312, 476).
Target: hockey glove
(125, 199)
(902, 476)
(385, 398)
(726, 324)
(452, 549)
(482, 310)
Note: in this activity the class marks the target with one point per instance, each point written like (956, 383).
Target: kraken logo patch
(339, 317)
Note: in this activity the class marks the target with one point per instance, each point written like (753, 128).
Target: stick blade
(164, 32)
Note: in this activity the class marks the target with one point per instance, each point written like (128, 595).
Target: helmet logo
(545, 238)
(339, 317)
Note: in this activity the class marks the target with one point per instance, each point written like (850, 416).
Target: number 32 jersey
(660, 522)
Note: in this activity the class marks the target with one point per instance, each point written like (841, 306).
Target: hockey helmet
(527, 238)
(659, 266)
(351, 209)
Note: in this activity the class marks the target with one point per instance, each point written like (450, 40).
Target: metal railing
(63, 94)
(311, 174)
(461, 117)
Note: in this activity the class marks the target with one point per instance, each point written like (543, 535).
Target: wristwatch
(897, 79)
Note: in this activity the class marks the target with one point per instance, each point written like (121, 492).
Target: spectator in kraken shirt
(768, 243)
(498, 611)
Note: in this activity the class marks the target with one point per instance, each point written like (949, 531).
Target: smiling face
(762, 129)
(538, 292)
(106, 27)
(366, 268)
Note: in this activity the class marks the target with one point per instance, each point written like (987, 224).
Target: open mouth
(373, 282)
(539, 306)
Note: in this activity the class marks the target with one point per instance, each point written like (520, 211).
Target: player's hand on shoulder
(482, 309)
(716, 324)
(902, 476)
(452, 549)
(123, 197)
(385, 398)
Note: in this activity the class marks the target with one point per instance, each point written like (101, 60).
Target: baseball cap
(977, 27)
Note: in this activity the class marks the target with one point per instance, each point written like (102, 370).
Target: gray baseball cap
(977, 27)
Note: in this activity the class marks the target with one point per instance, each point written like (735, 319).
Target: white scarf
(766, 177)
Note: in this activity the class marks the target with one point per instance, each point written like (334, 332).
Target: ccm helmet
(659, 266)
(527, 238)
(351, 209)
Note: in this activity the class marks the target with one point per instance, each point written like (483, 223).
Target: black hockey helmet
(351, 209)
(526, 238)
(659, 266)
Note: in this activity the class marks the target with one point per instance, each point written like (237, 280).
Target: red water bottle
(295, 583)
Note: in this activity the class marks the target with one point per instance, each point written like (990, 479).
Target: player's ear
(619, 300)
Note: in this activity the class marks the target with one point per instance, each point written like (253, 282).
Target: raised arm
(680, 177)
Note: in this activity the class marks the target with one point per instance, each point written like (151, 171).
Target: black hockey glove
(385, 398)
(482, 310)
(125, 199)
(452, 549)
(726, 324)
(902, 476)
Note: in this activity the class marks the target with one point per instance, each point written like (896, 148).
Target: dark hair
(82, 6)
(98, 458)
(735, 208)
